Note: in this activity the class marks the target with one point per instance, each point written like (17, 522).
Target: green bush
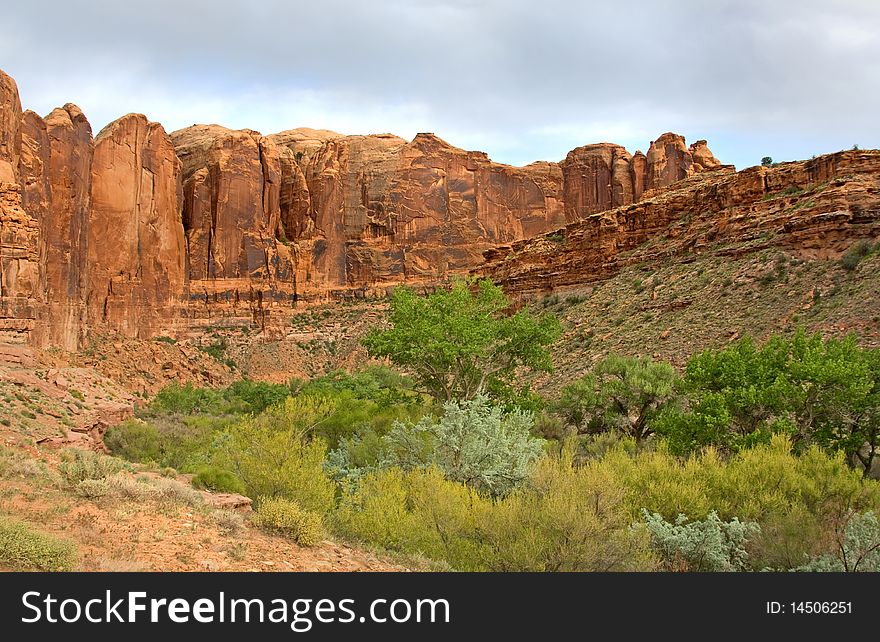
(568, 520)
(620, 394)
(186, 399)
(24, 549)
(256, 396)
(288, 518)
(182, 442)
(135, 440)
(274, 456)
(855, 254)
(216, 479)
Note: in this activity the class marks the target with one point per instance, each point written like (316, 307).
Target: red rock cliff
(817, 208)
(144, 233)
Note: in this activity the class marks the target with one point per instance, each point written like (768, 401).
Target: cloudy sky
(522, 80)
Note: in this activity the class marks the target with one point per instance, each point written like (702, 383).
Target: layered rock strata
(816, 208)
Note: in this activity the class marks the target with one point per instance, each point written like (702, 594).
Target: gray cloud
(521, 80)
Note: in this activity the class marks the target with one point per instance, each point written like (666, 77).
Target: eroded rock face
(232, 190)
(136, 244)
(817, 208)
(66, 228)
(144, 233)
(377, 210)
(20, 249)
(597, 178)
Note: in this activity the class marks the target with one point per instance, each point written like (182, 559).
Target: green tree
(824, 392)
(767, 161)
(463, 341)
(622, 394)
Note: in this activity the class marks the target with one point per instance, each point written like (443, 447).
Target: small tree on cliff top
(462, 341)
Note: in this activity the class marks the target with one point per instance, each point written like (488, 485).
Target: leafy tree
(622, 394)
(766, 161)
(463, 341)
(824, 392)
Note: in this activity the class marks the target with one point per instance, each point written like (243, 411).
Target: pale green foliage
(701, 545)
(24, 549)
(273, 455)
(288, 518)
(462, 341)
(857, 550)
(474, 442)
(620, 394)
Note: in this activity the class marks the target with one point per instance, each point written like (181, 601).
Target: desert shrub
(230, 522)
(288, 518)
(474, 442)
(19, 464)
(135, 440)
(218, 480)
(126, 487)
(255, 396)
(566, 518)
(24, 549)
(352, 414)
(77, 465)
(377, 383)
(565, 521)
(416, 512)
(171, 490)
(620, 394)
(182, 442)
(857, 547)
(273, 455)
(92, 488)
(761, 484)
(186, 399)
(700, 545)
(855, 254)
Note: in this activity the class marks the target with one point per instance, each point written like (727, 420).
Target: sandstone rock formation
(143, 233)
(136, 245)
(232, 183)
(20, 248)
(817, 208)
(66, 228)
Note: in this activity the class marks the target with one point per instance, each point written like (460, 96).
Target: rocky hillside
(814, 209)
(139, 232)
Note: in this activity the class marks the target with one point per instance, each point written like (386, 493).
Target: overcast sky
(520, 80)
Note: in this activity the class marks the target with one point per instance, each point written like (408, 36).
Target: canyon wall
(816, 208)
(144, 233)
